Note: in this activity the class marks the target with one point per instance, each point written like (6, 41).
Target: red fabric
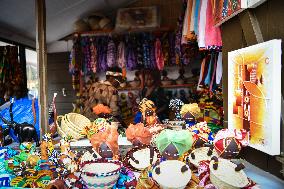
(159, 55)
(212, 33)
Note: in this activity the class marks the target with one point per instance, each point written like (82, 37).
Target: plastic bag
(22, 111)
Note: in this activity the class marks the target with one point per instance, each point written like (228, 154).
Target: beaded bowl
(101, 173)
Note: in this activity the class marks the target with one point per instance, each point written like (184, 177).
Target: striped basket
(100, 173)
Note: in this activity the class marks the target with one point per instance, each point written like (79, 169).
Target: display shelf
(116, 32)
(163, 86)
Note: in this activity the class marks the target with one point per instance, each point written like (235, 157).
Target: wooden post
(42, 64)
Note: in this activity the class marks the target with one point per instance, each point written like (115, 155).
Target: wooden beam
(250, 26)
(42, 64)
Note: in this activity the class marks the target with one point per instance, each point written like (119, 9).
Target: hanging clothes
(131, 58)
(102, 44)
(111, 54)
(212, 33)
(196, 16)
(93, 59)
(121, 60)
(159, 55)
(202, 69)
(219, 69)
(202, 24)
(191, 27)
(213, 79)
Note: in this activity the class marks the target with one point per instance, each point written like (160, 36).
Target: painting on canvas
(254, 94)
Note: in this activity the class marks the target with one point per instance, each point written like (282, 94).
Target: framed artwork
(137, 18)
(254, 94)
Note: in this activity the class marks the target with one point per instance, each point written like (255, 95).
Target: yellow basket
(64, 127)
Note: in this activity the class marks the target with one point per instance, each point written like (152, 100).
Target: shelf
(178, 86)
(163, 86)
(115, 32)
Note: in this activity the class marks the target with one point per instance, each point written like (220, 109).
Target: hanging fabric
(213, 78)
(93, 53)
(212, 33)
(159, 55)
(202, 69)
(202, 24)
(111, 54)
(196, 16)
(121, 61)
(131, 58)
(219, 69)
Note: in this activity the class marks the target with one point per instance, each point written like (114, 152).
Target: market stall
(148, 111)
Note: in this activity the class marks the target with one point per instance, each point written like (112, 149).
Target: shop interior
(123, 94)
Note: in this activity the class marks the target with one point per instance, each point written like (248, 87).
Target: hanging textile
(202, 69)
(159, 55)
(102, 46)
(111, 54)
(93, 53)
(202, 24)
(210, 70)
(196, 16)
(213, 78)
(131, 58)
(213, 34)
(121, 61)
(219, 69)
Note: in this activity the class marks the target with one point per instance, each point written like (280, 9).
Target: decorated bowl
(172, 169)
(100, 173)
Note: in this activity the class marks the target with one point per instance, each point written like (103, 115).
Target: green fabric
(182, 140)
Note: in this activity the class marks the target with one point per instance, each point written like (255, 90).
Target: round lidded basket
(201, 154)
(100, 173)
(225, 176)
(172, 169)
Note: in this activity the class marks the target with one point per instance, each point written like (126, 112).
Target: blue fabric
(208, 76)
(138, 118)
(196, 13)
(22, 111)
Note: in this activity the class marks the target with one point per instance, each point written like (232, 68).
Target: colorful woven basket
(100, 173)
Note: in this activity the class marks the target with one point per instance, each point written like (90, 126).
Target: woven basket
(101, 173)
(225, 177)
(77, 121)
(72, 124)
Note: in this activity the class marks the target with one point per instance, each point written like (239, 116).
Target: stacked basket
(72, 124)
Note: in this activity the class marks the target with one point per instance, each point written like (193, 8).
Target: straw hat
(105, 23)
(80, 26)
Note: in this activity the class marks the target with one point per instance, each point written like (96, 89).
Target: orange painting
(254, 94)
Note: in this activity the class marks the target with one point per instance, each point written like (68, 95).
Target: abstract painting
(254, 94)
